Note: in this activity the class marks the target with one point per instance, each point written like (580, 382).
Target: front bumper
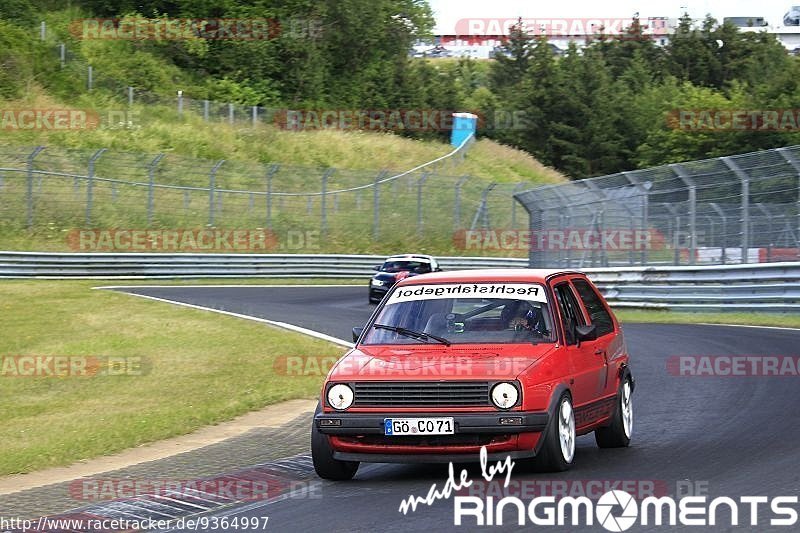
(465, 423)
(377, 293)
(360, 437)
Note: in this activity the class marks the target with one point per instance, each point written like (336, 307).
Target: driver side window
(571, 316)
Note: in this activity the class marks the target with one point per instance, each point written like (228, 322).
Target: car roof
(516, 275)
(408, 257)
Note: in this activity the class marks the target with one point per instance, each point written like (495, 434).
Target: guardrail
(765, 287)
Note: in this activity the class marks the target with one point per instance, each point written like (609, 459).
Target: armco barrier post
(29, 188)
(90, 185)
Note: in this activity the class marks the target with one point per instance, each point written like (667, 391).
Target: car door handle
(599, 352)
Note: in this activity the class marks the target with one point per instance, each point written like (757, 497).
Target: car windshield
(417, 267)
(484, 313)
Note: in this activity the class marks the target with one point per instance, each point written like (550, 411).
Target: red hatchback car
(518, 361)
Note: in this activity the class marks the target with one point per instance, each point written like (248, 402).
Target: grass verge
(200, 368)
(745, 319)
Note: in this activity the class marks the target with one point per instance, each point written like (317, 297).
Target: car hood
(393, 276)
(436, 363)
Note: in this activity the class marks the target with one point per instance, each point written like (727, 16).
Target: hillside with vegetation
(608, 106)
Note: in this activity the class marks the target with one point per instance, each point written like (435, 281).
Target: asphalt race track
(723, 436)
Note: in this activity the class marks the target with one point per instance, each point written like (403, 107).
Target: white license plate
(418, 426)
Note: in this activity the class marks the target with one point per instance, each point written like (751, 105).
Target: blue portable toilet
(464, 125)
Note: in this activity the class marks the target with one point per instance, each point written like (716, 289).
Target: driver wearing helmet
(519, 315)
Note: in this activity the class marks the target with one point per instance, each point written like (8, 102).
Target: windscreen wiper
(413, 334)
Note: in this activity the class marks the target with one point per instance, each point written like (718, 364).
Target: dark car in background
(398, 267)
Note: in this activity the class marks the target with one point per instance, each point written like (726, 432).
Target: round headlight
(504, 395)
(377, 283)
(340, 396)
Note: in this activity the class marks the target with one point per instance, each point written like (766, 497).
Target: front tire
(618, 434)
(322, 455)
(558, 450)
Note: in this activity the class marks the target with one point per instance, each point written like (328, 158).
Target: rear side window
(570, 311)
(597, 311)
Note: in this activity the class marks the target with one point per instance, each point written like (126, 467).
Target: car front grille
(421, 393)
(431, 440)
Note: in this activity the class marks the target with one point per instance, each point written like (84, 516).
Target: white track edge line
(284, 325)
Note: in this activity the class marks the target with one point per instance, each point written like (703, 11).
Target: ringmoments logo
(615, 510)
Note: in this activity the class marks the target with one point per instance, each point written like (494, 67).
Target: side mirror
(357, 331)
(586, 333)
(376, 268)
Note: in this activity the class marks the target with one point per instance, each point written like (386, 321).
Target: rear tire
(322, 455)
(618, 434)
(558, 449)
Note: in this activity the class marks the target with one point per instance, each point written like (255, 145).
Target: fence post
(420, 184)
(644, 189)
(43, 31)
(376, 204)
(457, 203)
(273, 168)
(563, 207)
(482, 214)
(90, 78)
(745, 219)
(517, 188)
(684, 176)
(180, 103)
(29, 191)
(130, 96)
(255, 115)
(230, 113)
(62, 54)
(151, 173)
(90, 185)
(323, 224)
(212, 179)
(724, 240)
(792, 160)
